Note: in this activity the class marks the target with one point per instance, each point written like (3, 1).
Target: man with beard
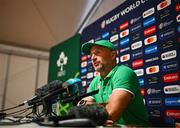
(119, 90)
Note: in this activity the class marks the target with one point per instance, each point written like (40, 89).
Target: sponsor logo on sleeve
(136, 45)
(125, 58)
(170, 66)
(138, 63)
(148, 12)
(152, 69)
(172, 89)
(150, 30)
(172, 101)
(124, 41)
(169, 55)
(150, 40)
(114, 38)
(163, 4)
(124, 33)
(151, 49)
(172, 77)
(149, 21)
(124, 25)
(173, 113)
(139, 72)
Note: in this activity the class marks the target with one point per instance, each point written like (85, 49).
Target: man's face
(101, 57)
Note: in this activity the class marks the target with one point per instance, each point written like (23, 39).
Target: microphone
(75, 99)
(43, 91)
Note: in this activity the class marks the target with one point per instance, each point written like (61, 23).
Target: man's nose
(93, 57)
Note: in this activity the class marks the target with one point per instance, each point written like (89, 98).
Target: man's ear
(113, 54)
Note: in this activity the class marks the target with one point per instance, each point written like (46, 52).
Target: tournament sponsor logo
(136, 45)
(83, 70)
(163, 4)
(172, 89)
(172, 77)
(148, 12)
(153, 80)
(84, 57)
(142, 91)
(124, 25)
(150, 40)
(149, 21)
(114, 38)
(168, 44)
(83, 77)
(151, 49)
(84, 83)
(172, 101)
(105, 35)
(154, 102)
(155, 113)
(137, 54)
(170, 66)
(83, 64)
(139, 72)
(114, 31)
(165, 14)
(125, 58)
(165, 24)
(89, 62)
(179, 29)
(177, 7)
(134, 20)
(124, 33)
(151, 91)
(124, 41)
(150, 30)
(89, 75)
(169, 55)
(136, 27)
(152, 69)
(152, 59)
(141, 81)
(173, 113)
(125, 49)
(167, 34)
(136, 36)
(178, 18)
(137, 63)
(103, 24)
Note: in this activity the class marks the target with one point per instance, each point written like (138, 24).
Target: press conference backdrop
(63, 65)
(146, 35)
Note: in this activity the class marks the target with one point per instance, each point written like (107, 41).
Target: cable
(11, 108)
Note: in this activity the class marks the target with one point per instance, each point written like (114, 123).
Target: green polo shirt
(123, 78)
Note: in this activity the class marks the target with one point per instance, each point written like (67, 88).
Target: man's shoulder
(124, 68)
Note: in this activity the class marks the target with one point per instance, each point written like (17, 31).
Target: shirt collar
(110, 74)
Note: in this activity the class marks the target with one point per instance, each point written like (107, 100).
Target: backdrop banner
(146, 34)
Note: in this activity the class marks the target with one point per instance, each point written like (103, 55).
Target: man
(119, 90)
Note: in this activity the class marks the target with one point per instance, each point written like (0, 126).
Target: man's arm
(117, 103)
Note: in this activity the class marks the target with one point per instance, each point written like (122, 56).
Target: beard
(99, 68)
